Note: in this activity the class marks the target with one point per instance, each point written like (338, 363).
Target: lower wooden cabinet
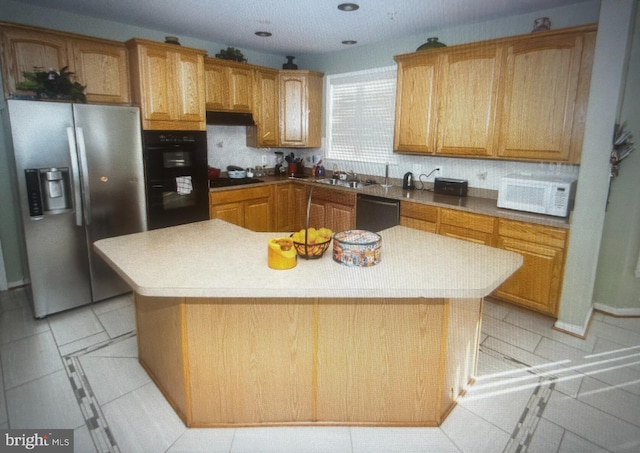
(419, 216)
(251, 208)
(537, 285)
(467, 226)
(332, 209)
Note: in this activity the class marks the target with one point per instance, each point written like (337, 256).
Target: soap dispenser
(408, 181)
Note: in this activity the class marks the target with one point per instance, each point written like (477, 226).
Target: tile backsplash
(227, 146)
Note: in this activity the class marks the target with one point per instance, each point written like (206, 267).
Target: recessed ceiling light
(349, 42)
(263, 34)
(348, 6)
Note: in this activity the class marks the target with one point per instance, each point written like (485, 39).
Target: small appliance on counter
(540, 194)
(408, 182)
(451, 186)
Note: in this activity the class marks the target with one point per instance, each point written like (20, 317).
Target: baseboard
(574, 329)
(613, 311)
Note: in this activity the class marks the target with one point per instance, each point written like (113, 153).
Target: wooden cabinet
(517, 98)
(100, 65)
(467, 226)
(416, 103)
(251, 208)
(266, 104)
(168, 83)
(468, 83)
(333, 209)
(544, 97)
(300, 117)
(538, 283)
(104, 69)
(228, 86)
(419, 216)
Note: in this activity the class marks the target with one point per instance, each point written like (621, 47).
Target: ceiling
(298, 26)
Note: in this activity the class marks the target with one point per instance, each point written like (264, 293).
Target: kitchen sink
(342, 183)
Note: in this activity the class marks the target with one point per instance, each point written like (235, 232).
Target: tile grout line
(90, 408)
(524, 430)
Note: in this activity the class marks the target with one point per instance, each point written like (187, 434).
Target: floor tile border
(94, 419)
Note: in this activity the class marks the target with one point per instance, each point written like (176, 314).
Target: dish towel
(183, 185)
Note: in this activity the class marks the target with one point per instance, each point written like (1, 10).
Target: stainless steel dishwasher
(376, 213)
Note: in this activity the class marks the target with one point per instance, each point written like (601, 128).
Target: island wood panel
(276, 361)
(379, 361)
(250, 361)
(160, 326)
(463, 338)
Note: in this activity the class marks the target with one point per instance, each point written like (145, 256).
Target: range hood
(230, 119)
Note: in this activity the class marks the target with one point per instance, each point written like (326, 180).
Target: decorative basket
(311, 251)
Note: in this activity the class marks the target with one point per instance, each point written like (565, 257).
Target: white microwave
(541, 194)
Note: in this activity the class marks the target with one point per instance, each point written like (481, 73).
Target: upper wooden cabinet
(523, 97)
(300, 109)
(545, 97)
(266, 104)
(100, 65)
(469, 79)
(416, 103)
(228, 86)
(168, 83)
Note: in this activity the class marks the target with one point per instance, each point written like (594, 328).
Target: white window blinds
(361, 107)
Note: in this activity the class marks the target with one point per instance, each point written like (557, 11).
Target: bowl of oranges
(311, 243)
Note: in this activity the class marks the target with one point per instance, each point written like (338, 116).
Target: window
(361, 114)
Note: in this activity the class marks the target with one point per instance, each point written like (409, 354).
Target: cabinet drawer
(467, 220)
(334, 196)
(231, 196)
(538, 234)
(419, 211)
(423, 225)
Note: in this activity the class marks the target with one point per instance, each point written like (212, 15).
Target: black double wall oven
(176, 177)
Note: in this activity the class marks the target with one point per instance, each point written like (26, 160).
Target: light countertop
(217, 259)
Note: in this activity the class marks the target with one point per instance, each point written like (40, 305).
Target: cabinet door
(467, 100)
(190, 88)
(415, 105)
(257, 215)
(284, 207)
(104, 69)
(241, 89)
(216, 87)
(539, 97)
(265, 112)
(293, 110)
(300, 109)
(157, 82)
(231, 212)
(29, 50)
(340, 217)
(537, 283)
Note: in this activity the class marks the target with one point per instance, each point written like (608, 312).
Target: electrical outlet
(439, 172)
(264, 159)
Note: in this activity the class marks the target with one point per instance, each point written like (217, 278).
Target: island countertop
(217, 259)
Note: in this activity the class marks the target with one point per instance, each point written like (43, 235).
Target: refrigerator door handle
(84, 173)
(75, 175)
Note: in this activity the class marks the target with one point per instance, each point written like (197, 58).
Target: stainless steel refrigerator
(80, 178)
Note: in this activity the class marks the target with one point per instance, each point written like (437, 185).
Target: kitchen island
(231, 342)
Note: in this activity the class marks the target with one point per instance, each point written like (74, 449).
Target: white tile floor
(538, 390)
